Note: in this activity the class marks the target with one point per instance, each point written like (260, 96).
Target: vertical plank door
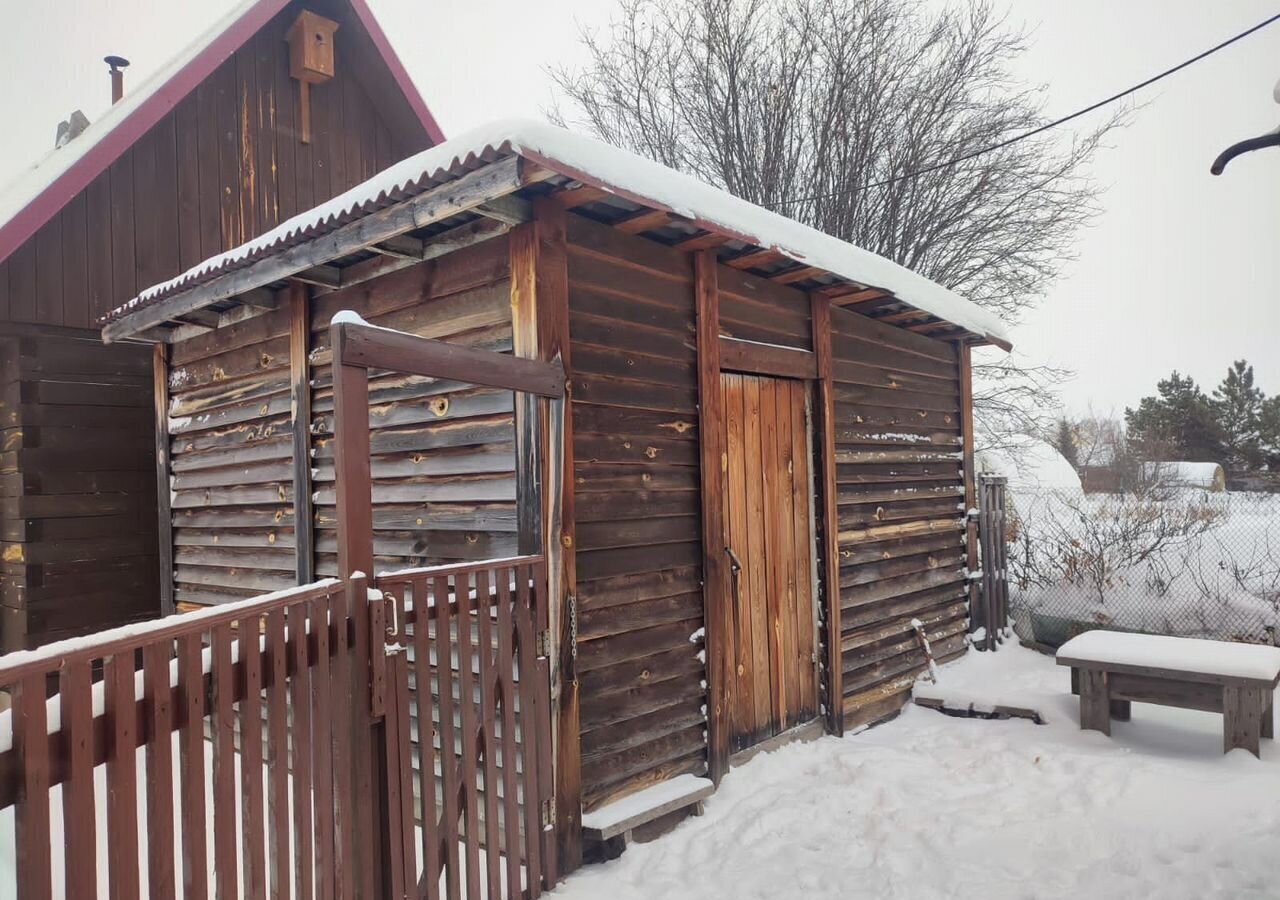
(769, 531)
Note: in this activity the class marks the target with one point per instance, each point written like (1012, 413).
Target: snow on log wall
(901, 505)
(634, 384)
(77, 488)
(443, 458)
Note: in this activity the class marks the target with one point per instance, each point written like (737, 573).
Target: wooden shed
(200, 157)
(768, 442)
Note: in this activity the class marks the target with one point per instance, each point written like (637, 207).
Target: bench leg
(1095, 701)
(1120, 710)
(1242, 709)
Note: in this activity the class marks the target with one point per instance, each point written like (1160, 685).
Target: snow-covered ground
(932, 806)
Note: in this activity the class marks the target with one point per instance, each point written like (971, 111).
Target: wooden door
(769, 536)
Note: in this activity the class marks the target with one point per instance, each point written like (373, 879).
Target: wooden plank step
(644, 806)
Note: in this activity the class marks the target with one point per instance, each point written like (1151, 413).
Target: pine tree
(1269, 432)
(1237, 405)
(1065, 442)
(1178, 423)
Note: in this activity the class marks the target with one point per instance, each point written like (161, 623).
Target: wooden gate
(469, 730)
(768, 515)
(994, 612)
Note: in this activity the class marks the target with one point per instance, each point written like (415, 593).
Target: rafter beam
(581, 195)
(644, 220)
(800, 273)
(325, 276)
(402, 247)
(510, 210)
(755, 259)
(702, 241)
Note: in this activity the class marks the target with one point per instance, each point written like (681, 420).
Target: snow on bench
(644, 806)
(1189, 656)
(1110, 670)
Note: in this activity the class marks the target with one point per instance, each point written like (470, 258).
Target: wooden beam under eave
(325, 275)
(824, 438)
(755, 259)
(797, 274)
(907, 315)
(401, 247)
(510, 210)
(702, 241)
(858, 295)
(644, 220)
(572, 198)
(715, 574)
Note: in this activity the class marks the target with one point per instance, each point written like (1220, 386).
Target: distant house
(1205, 476)
(206, 154)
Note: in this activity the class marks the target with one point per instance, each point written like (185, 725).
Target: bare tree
(825, 110)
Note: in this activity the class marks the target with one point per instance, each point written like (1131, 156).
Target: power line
(1043, 128)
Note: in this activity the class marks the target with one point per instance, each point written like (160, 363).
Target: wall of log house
(900, 489)
(634, 390)
(443, 458)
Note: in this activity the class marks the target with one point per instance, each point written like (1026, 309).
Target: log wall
(900, 494)
(77, 487)
(443, 462)
(634, 390)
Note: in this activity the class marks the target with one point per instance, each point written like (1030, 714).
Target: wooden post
(540, 323)
(300, 417)
(970, 488)
(715, 588)
(164, 514)
(825, 439)
(355, 554)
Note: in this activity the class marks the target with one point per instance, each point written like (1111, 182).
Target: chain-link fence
(1164, 560)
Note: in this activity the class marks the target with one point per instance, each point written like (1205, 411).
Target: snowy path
(931, 806)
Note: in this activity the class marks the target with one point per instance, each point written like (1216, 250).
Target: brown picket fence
(238, 751)
(473, 752)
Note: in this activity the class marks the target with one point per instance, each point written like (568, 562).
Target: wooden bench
(613, 824)
(1110, 670)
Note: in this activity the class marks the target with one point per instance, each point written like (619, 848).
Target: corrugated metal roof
(634, 178)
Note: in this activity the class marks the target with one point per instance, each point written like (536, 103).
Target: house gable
(208, 159)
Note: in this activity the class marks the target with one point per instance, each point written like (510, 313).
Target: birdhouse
(310, 59)
(311, 47)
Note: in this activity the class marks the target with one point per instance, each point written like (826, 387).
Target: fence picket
(466, 693)
(160, 851)
(224, 766)
(430, 881)
(195, 850)
(30, 727)
(251, 796)
(278, 757)
(79, 814)
(122, 776)
(300, 703)
(526, 652)
(322, 748)
(511, 804)
(484, 643)
(448, 757)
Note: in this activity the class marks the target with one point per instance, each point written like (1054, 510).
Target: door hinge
(548, 813)
(543, 647)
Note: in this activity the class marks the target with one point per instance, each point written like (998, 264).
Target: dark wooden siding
(231, 471)
(901, 507)
(223, 166)
(77, 488)
(443, 458)
(443, 453)
(634, 391)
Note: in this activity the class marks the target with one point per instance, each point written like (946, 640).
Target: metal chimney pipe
(118, 64)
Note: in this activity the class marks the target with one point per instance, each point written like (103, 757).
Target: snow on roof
(1188, 474)
(636, 178)
(37, 193)
(1032, 468)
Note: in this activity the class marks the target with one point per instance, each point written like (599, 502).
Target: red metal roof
(58, 178)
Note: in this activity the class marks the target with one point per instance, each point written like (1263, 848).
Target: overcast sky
(1180, 271)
